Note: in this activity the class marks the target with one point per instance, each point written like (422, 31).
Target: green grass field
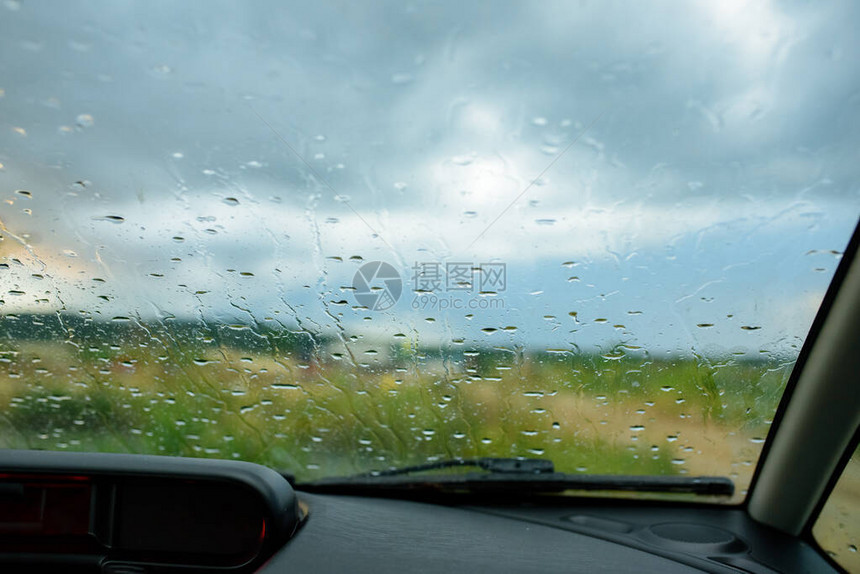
(316, 412)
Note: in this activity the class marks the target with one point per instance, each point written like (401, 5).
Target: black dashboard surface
(347, 534)
(352, 534)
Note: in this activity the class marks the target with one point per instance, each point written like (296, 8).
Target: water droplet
(285, 386)
(231, 201)
(85, 121)
(110, 218)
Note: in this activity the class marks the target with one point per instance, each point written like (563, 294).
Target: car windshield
(339, 238)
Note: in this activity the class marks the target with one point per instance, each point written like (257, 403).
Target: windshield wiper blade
(490, 464)
(524, 476)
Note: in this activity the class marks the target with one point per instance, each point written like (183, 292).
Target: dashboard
(123, 514)
(349, 534)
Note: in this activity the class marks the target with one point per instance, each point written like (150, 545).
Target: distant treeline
(187, 334)
(199, 335)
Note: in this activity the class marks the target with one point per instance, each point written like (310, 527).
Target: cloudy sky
(674, 176)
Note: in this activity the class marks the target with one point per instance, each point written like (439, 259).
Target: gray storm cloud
(725, 152)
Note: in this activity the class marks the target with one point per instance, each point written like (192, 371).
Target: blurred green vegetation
(316, 407)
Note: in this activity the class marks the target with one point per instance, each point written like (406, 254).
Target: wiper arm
(512, 475)
(490, 464)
